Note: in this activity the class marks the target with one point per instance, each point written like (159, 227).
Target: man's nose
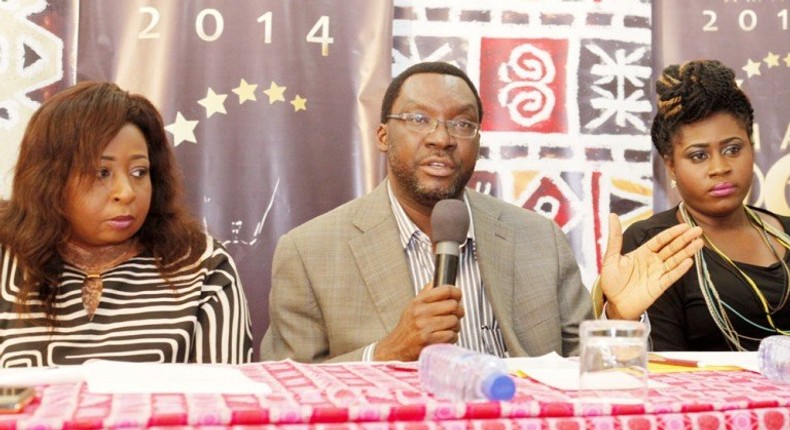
(440, 136)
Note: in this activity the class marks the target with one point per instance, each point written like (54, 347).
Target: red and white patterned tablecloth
(378, 396)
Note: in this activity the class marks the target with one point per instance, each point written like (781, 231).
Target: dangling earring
(673, 183)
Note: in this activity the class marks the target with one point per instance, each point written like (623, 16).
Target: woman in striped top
(98, 255)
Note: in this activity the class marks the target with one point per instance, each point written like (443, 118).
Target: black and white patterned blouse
(202, 317)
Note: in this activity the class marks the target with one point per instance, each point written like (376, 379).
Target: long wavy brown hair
(65, 138)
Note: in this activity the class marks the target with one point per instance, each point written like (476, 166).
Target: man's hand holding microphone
(434, 315)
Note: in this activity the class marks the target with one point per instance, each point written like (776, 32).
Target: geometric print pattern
(564, 86)
(388, 396)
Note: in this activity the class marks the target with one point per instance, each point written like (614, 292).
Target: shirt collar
(409, 230)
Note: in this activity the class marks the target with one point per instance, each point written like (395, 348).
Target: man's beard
(429, 196)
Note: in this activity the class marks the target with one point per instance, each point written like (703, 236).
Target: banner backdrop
(567, 116)
(271, 106)
(752, 38)
(36, 42)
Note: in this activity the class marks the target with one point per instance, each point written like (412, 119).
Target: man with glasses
(356, 283)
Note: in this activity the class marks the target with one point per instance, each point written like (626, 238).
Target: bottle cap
(499, 386)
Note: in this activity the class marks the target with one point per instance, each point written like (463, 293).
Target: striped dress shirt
(479, 329)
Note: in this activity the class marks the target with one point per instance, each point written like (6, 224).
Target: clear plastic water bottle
(774, 357)
(456, 373)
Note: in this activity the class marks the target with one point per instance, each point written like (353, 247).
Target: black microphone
(449, 224)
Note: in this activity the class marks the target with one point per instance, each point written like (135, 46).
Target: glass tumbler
(613, 361)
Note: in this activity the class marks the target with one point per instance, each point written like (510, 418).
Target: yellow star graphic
(213, 103)
(245, 91)
(299, 103)
(182, 129)
(787, 59)
(771, 60)
(751, 68)
(275, 92)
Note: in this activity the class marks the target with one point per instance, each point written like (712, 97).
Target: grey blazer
(341, 281)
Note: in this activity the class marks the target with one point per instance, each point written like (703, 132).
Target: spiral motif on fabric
(526, 95)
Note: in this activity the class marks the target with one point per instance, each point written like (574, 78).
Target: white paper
(30, 376)
(563, 373)
(745, 360)
(551, 360)
(111, 377)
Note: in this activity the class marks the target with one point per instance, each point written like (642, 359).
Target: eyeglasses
(424, 124)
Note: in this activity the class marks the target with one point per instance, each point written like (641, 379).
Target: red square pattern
(522, 84)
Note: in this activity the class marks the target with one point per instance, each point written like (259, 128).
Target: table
(378, 396)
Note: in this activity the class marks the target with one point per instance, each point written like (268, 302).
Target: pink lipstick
(121, 222)
(723, 189)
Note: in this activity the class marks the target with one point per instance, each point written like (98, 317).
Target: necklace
(786, 270)
(95, 262)
(718, 308)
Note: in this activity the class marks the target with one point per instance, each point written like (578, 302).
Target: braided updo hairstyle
(693, 91)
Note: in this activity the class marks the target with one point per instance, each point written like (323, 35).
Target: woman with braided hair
(737, 291)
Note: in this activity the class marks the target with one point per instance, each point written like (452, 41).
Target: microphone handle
(446, 269)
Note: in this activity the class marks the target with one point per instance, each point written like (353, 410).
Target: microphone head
(449, 221)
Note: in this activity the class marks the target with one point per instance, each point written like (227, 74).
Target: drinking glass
(613, 361)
